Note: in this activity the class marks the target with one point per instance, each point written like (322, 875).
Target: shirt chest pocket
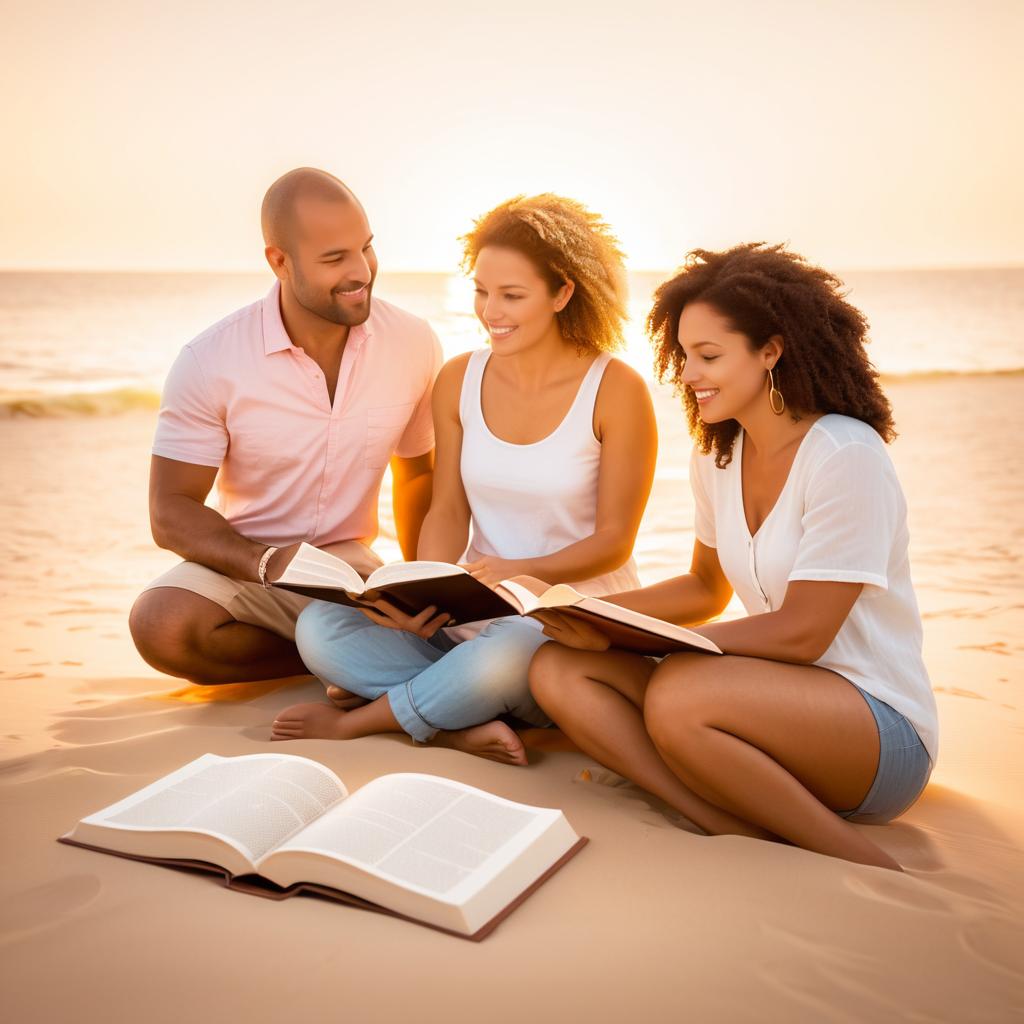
(385, 425)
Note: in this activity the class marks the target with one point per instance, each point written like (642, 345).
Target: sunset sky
(143, 135)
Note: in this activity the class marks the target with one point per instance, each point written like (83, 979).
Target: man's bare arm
(412, 483)
(183, 524)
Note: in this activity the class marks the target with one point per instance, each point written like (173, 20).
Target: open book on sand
(412, 586)
(421, 847)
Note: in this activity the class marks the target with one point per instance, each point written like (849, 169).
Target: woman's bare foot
(310, 721)
(345, 700)
(494, 740)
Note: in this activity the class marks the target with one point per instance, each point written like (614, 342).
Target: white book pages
(641, 621)
(252, 802)
(520, 595)
(435, 836)
(311, 567)
(564, 596)
(402, 572)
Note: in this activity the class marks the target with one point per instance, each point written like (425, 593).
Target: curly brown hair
(764, 290)
(565, 242)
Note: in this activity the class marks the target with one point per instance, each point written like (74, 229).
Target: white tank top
(530, 500)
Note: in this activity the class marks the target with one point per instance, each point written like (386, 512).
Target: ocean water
(80, 343)
(77, 348)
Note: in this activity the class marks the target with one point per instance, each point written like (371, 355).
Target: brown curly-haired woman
(545, 458)
(821, 711)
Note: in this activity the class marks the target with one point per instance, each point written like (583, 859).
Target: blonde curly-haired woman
(545, 457)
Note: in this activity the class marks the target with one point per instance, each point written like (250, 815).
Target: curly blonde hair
(565, 242)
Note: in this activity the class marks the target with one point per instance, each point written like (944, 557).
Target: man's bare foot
(310, 721)
(493, 740)
(345, 700)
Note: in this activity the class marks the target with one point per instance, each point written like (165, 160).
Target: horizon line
(252, 271)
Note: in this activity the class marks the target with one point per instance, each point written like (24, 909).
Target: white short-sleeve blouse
(841, 516)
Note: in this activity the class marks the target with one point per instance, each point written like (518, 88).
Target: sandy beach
(649, 923)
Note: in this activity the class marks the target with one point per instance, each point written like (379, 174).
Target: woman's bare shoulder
(448, 386)
(622, 384)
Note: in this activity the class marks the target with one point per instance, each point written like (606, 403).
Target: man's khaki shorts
(271, 608)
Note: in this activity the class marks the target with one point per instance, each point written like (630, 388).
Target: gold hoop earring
(775, 399)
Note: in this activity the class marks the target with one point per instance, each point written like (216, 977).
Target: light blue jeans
(430, 684)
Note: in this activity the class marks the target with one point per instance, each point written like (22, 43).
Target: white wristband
(262, 570)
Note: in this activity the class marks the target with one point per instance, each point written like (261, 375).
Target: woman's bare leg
(597, 700)
(783, 746)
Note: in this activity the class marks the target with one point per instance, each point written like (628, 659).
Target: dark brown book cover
(255, 885)
(464, 598)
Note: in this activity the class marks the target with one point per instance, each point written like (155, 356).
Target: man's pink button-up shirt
(293, 467)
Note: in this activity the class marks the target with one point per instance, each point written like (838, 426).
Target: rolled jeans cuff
(404, 709)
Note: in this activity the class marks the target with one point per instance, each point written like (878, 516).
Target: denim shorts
(903, 767)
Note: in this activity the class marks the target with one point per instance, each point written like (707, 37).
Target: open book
(425, 848)
(626, 629)
(412, 586)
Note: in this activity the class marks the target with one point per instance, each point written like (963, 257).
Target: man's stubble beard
(329, 310)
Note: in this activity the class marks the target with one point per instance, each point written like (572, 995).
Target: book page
(659, 627)
(253, 802)
(311, 567)
(528, 593)
(403, 572)
(432, 834)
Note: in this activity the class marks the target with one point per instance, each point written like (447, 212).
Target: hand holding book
(489, 571)
(409, 595)
(573, 631)
(425, 624)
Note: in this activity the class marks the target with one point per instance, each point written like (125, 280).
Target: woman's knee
(493, 675)
(504, 685)
(319, 630)
(678, 701)
(550, 673)
(505, 650)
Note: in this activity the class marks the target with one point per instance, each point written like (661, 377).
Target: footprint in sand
(996, 647)
(46, 906)
(956, 691)
(84, 611)
(15, 766)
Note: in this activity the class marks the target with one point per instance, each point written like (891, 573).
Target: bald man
(296, 405)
